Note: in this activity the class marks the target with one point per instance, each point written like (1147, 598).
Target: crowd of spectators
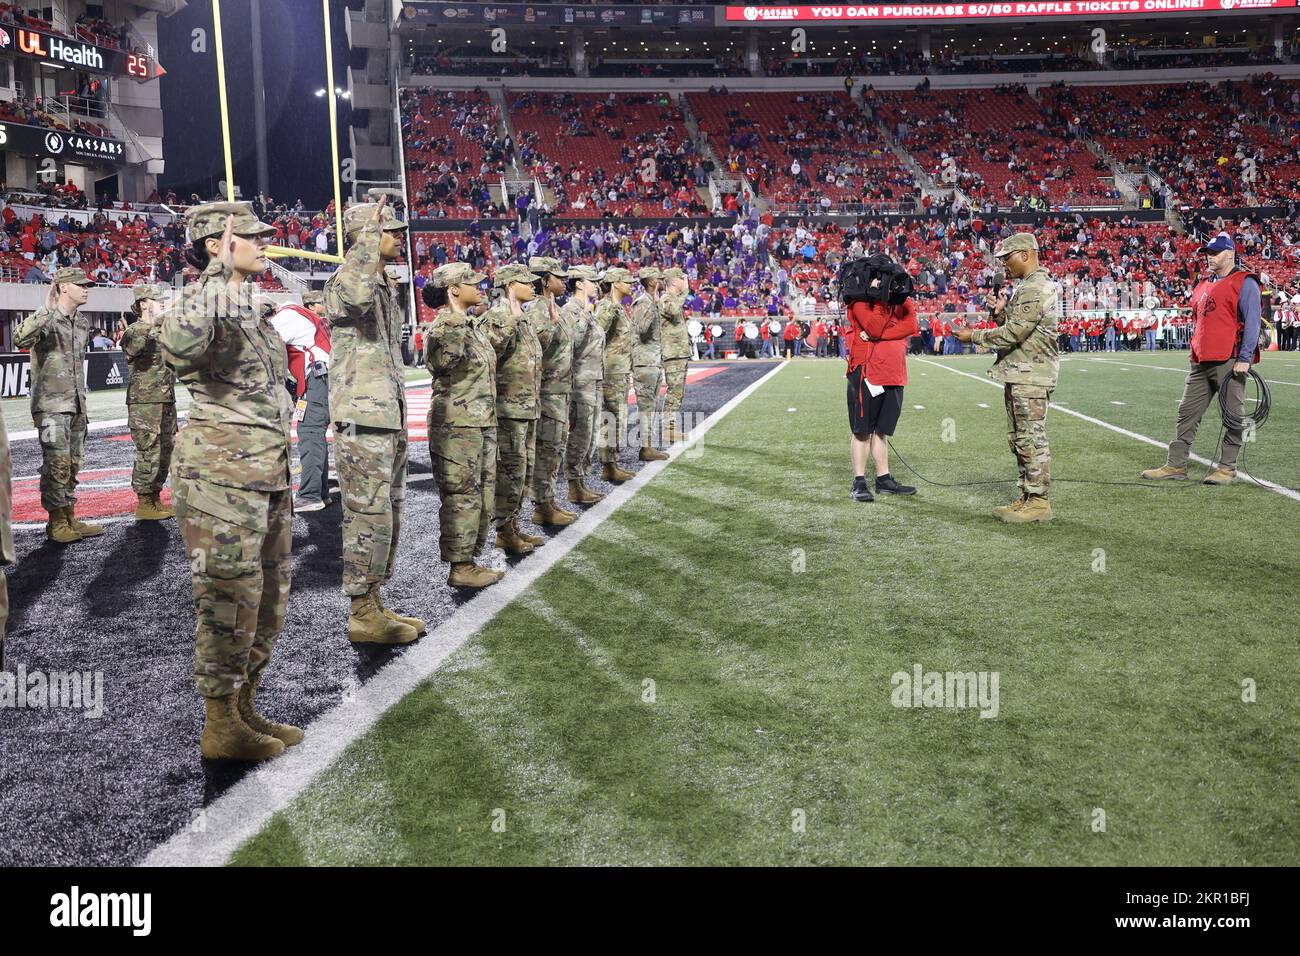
(454, 153)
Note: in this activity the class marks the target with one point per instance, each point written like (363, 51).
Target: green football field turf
(770, 611)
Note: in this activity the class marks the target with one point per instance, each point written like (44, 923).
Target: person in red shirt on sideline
(790, 335)
(306, 335)
(877, 363)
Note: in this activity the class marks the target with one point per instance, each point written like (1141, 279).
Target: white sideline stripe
(247, 807)
(1277, 489)
(121, 422)
(1180, 371)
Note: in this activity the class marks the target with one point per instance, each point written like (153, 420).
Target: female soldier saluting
(231, 476)
(462, 421)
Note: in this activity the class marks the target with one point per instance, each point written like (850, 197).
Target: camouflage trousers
(372, 481)
(613, 421)
(516, 438)
(675, 375)
(552, 442)
(465, 468)
(239, 546)
(63, 452)
(153, 429)
(584, 415)
(646, 378)
(1027, 435)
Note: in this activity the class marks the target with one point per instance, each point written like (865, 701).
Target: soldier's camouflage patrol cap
(1020, 242)
(313, 298)
(456, 273)
(615, 274)
(649, 272)
(355, 219)
(72, 274)
(674, 273)
(263, 306)
(513, 273)
(210, 220)
(540, 264)
(584, 272)
(141, 291)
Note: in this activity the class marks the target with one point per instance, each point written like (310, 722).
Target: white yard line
(247, 807)
(1180, 371)
(1276, 489)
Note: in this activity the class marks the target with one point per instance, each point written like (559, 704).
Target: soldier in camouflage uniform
(462, 421)
(150, 403)
(57, 337)
(519, 384)
(368, 408)
(230, 477)
(647, 361)
(587, 376)
(677, 350)
(1025, 343)
(555, 332)
(612, 317)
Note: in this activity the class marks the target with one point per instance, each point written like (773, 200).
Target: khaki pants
(1204, 380)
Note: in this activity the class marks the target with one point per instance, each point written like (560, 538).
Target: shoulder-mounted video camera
(877, 278)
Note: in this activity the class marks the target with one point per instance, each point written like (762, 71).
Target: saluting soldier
(150, 403)
(676, 350)
(612, 317)
(555, 332)
(588, 373)
(647, 361)
(56, 336)
(230, 479)
(1025, 342)
(367, 399)
(519, 383)
(462, 421)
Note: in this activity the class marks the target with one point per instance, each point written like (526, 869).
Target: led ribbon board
(76, 54)
(929, 12)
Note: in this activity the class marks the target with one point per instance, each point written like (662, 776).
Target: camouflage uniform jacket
(367, 377)
(151, 381)
(613, 321)
(459, 356)
(588, 345)
(646, 321)
(234, 364)
(1025, 339)
(676, 341)
(519, 362)
(58, 344)
(556, 336)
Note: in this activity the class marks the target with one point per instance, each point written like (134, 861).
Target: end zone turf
(707, 678)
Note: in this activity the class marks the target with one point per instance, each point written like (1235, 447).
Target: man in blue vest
(1225, 343)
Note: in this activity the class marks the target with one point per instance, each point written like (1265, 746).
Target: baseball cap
(72, 274)
(456, 273)
(513, 273)
(584, 272)
(540, 264)
(209, 220)
(357, 215)
(1219, 243)
(1020, 242)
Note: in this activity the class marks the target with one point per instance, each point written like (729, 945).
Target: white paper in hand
(874, 390)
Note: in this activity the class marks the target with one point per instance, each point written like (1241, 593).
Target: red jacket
(890, 326)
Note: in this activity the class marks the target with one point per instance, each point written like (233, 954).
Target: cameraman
(881, 325)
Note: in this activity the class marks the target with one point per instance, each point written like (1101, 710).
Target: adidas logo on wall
(114, 375)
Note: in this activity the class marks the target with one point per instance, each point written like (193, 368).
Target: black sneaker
(887, 485)
(860, 491)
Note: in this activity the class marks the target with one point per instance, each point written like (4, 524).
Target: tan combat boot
(287, 734)
(1035, 508)
(1165, 472)
(580, 494)
(1016, 505)
(550, 514)
(1220, 476)
(151, 509)
(83, 529)
(533, 539)
(227, 737)
(368, 625)
(509, 541)
(412, 622)
(651, 453)
(59, 530)
(466, 574)
(614, 474)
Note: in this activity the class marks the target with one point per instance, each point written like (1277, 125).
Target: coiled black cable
(1258, 415)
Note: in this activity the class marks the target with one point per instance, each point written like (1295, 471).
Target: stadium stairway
(705, 148)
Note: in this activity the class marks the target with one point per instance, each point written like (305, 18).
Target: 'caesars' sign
(994, 11)
(61, 144)
(65, 51)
